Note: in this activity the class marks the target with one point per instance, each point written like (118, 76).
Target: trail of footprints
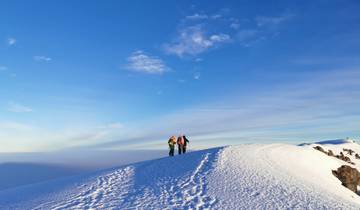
(108, 191)
(191, 193)
(113, 190)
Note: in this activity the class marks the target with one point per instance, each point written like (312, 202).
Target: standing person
(171, 143)
(180, 143)
(186, 141)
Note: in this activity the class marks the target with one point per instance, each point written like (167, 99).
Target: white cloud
(140, 62)
(41, 58)
(196, 16)
(192, 40)
(18, 108)
(11, 41)
(219, 38)
(268, 20)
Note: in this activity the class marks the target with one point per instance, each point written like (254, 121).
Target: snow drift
(254, 176)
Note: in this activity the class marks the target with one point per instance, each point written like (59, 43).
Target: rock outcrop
(320, 149)
(349, 177)
(349, 151)
(341, 156)
(357, 156)
(330, 153)
(344, 158)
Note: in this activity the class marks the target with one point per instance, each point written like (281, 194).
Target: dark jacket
(186, 141)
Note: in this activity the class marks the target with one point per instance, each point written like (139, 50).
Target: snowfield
(253, 176)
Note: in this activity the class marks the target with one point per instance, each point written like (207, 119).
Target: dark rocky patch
(357, 156)
(341, 156)
(330, 153)
(319, 149)
(349, 151)
(349, 177)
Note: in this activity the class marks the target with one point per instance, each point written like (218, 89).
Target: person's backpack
(181, 140)
(172, 141)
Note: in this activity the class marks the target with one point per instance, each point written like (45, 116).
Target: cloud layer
(323, 105)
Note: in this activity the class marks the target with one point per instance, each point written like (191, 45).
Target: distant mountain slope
(236, 177)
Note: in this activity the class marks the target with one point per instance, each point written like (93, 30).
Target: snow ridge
(253, 176)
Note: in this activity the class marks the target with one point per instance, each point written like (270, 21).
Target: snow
(252, 176)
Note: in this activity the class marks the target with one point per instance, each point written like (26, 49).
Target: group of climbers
(181, 141)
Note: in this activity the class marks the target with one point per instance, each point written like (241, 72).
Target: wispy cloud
(262, 21)
(216, 16)
(235, 25)
(260, 29)
(7, 125)
(18, 108)
(201, 31)
(139, 61)
(11, 41)
(196, 32)
(246, 34)
(41, 58)
(193, 40)
(196, 16)
(249, 37)
(92, 135)
(18, 136)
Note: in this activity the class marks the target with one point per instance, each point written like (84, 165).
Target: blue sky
(127, 74)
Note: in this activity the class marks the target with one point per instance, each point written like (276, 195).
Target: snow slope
(254, 176)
